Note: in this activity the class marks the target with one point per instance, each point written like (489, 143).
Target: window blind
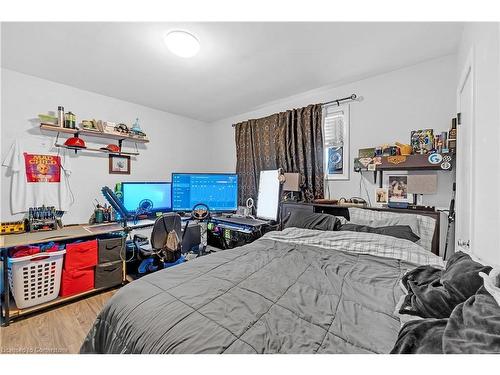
(334, 126)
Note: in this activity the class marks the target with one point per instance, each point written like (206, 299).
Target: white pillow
(422, 226)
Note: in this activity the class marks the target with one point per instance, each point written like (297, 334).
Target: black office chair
(165, 240)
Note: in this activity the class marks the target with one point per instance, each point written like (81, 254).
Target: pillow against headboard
(398, 231)
(312, 220)
(422, 226)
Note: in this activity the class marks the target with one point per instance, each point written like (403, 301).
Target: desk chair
(165, 240)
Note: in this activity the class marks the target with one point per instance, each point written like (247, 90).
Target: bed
(292, 291)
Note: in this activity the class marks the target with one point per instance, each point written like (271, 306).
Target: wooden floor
(60, 330)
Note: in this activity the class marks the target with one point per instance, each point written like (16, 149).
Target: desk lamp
(421, 184)
(291, 184)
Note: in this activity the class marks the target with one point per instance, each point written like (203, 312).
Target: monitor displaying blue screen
(160, 193)
(218, 191)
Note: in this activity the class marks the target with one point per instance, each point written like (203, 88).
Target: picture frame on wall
(381, 197)
(396, 183)
(119, 164)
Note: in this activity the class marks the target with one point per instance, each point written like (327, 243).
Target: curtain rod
(338, 101)
(347, 98)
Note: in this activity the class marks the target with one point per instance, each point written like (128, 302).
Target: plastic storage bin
(35, 279)
(77, 281)
(110, 249)
(80, 255)
(108, 274)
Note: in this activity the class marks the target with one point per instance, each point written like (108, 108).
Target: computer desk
(68, 233)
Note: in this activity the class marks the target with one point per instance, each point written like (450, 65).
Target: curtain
(291, 140)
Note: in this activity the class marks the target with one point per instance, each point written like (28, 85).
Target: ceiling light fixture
(182, 43)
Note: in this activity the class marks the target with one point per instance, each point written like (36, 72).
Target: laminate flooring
(60, 330)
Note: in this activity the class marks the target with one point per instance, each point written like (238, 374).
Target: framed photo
(119, 164)
(396, 184)
(381, 196)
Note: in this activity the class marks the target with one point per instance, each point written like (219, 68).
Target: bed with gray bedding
(294, 291)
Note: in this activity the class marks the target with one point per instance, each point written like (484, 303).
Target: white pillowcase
(422, 226)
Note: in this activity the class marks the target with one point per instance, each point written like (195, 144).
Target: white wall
(484, 40)
(416, 97)
(172, 137)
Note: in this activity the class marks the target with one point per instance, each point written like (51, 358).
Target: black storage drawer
(109, 249)
(108, 274)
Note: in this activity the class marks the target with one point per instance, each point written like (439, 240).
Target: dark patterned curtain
(300, 147)
(292, 140)
(255, 151)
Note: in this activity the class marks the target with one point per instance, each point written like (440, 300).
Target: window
(336, 141)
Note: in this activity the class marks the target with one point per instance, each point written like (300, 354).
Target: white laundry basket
(36, 278)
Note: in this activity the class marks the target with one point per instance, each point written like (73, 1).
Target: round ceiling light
(182, 43)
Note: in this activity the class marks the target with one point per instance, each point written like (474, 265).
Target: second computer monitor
(159, 193)
(219, 191)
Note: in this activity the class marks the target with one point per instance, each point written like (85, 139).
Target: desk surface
(67, 233)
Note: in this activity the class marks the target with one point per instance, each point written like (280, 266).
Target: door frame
(468, 72)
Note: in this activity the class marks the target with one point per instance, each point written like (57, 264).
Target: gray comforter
(296, 291)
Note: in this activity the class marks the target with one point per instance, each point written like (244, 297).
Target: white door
(465, 175)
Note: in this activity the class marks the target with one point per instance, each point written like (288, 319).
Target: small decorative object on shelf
(121, 128)
(49, 119)
(422, 141)
(91, 125)
(70, 120)
(136, 130)
(42, 218)
(13, 227)
(60, 116)
(452, 136)
(111, 148)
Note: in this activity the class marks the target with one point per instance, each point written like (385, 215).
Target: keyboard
(242, 221)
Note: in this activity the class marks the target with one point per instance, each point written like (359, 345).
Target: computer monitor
(219, 191)
(159, 193)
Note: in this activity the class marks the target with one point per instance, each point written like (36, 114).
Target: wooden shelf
(91, 133)
(14, 311)
(58, 129)
(96, 150)
(412, 163)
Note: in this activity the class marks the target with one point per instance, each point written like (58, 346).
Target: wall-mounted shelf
(441, 162)
(414, 162)
(98, 134)
(427, 162)
(96, 150)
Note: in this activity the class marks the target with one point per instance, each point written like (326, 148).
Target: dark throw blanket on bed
(472, 328)
(434, 293)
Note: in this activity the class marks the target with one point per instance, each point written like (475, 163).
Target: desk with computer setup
(191, 216)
